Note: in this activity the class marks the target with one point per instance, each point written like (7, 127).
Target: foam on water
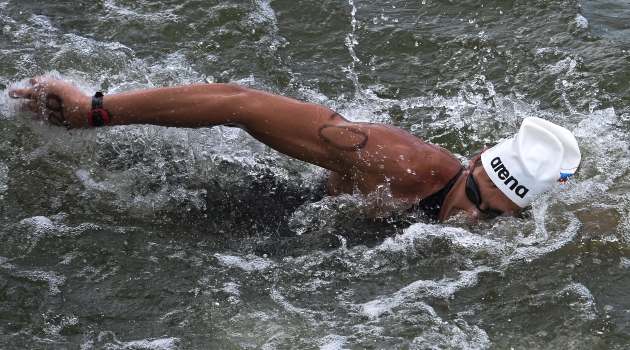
(34, 229)
(109, 341)
(248, 263)
(159, 221)
(332, 342)
(53, 280)
(4, 179)
(165, 14)
(155, 344)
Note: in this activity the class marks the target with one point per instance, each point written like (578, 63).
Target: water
(144, 237)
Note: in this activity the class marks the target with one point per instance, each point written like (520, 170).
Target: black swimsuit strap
(432, 204)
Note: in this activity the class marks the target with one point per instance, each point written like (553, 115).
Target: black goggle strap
(98, 116)
(472, 192)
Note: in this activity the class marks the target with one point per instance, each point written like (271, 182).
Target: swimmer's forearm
(191, 106)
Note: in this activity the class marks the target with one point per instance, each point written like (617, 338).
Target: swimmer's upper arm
(321, 136)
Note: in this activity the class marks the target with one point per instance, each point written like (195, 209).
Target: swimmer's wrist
(78, 117)
(98, 115)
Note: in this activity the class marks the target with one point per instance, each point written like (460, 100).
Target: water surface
(143, 237)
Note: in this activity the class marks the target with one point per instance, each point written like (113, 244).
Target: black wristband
(97, 100)
(98, 116)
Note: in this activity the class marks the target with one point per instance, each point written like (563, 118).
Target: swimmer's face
(477, 197)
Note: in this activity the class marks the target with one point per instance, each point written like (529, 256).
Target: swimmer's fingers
(32, 96)
(29, 102)
(21, 93)
(37, 83)
(26, 94)
(31, 105)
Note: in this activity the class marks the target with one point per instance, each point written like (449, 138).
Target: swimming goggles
(472, 192)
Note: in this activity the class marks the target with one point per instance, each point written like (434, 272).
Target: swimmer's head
(528, 164)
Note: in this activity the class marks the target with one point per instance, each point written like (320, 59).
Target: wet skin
(362, 157)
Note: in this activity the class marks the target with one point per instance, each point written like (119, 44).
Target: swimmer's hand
(55, 101)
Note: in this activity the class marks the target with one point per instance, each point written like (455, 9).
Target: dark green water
(153, 238)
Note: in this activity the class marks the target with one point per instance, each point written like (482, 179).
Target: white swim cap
(526, 165)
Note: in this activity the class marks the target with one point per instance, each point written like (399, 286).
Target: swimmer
(362, 157)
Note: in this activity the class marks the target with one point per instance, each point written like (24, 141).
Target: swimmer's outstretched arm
(370, 153)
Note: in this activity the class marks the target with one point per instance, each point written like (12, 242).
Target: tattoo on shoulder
(345, 138)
